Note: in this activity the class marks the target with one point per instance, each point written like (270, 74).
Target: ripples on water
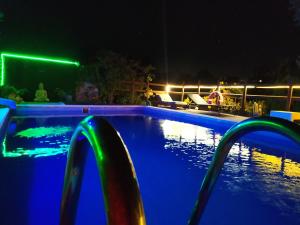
(274, 179)
(38, 142)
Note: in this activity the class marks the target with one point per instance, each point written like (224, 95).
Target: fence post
(289, 98)
(132, 91)
(244, 98)
(182, 92)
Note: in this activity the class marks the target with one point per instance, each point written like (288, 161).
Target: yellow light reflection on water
(275, 164)
(180, 133)
(291, 169)
(270, 163)
(184, 132)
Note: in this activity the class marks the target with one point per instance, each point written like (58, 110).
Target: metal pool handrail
(123, 203)
(277, 125)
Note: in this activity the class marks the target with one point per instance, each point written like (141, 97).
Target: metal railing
(123, 203)
(277, 125)
(291, 92)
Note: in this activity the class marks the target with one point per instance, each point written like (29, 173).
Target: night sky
(230, 37)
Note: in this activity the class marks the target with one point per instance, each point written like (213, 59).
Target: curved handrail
(123, 203)
(277, 125)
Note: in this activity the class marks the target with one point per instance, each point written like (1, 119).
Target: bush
(12, 93)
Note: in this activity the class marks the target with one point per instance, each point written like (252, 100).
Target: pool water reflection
(171, 158)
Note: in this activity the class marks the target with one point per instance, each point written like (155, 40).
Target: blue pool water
(257, 186)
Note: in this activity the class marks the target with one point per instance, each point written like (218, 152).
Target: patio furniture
(166, 100)
(197, 99)
(202, 104)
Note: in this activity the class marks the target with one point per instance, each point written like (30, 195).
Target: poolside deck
(216, 114)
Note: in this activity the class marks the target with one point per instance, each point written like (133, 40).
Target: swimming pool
(258, 185)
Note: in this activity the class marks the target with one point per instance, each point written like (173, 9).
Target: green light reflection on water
(44, 133)
(37, 152)
(47, 132)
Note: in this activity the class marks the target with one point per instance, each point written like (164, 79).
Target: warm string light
(274, 87)
(170, 86)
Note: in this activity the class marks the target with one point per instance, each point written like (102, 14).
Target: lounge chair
(166, 100)
(197, 99)
(200, 103)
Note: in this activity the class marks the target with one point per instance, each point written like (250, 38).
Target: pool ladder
(123, 203)
(122, 199)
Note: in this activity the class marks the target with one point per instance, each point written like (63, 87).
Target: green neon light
(29, 57)
(2, 70)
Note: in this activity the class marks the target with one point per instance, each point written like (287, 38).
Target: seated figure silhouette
(41, 94)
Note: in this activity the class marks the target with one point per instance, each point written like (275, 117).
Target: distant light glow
(30, 57)
(168, 88)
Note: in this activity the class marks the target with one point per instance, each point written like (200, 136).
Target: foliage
(231, 100)
(261, 106)
(286, 71)
(2, 16)
(12, 93)
(295, 10)
(229, 104)
(87, 93)
(148, 93)
(110, 71)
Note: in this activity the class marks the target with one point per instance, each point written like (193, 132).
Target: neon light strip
(2, 70)
(29, 57)
(208, 87)
(274, 87)
(174, 86)
(232, 86)
(190, 86)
